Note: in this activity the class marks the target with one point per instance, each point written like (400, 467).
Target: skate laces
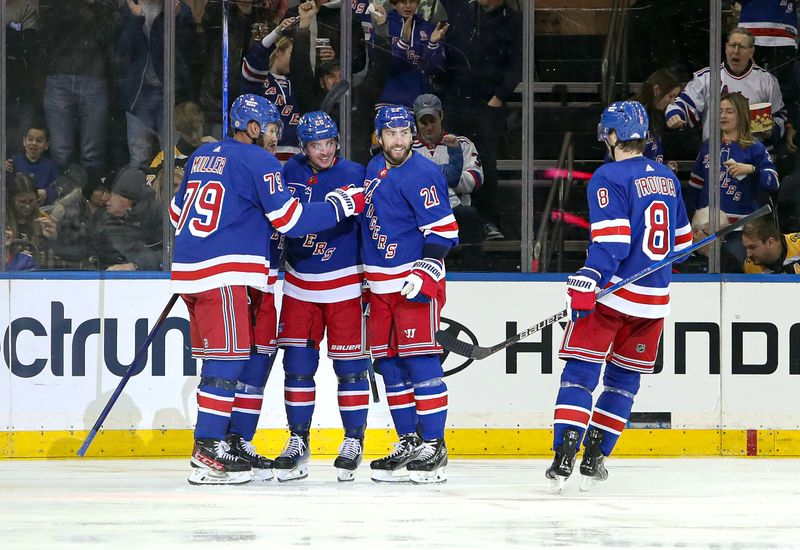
(222, 450)
(250, 449)
(401, 446)
(350, 448)
(426, 450)
(295, 446)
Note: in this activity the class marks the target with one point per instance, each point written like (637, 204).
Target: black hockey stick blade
(141, 354)
(334, 95)
(465, 349)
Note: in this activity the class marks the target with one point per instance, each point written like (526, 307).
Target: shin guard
(299, 389)
(399, 394)
(353, 395)
(574, 400)
(215, 396)
(430, 394)
(613, 407)
(250, 396)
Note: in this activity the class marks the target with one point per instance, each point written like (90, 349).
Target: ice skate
(292, 463)
(214, 464)
(593, 467)
(261, 465)
(351, 451)
(564, 460)
(429, 465)
(392, 468)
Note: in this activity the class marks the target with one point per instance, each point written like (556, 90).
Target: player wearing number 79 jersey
(637, 218)
(224, 212)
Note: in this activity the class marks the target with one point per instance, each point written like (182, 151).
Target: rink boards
(727, 382)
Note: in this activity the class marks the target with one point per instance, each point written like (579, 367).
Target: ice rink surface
(646, 503)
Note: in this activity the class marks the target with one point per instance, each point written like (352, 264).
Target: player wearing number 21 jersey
(637, 218)
(228, 203)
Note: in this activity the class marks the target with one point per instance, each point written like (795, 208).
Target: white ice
(646, 503)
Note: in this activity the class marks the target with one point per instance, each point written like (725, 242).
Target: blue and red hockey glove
(581, 293)
(348, 201)
(422, 284)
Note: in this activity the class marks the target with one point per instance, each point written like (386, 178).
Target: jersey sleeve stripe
(290, 278)
(239, 267)
(174, 213)
(286, 217)
(252, 74)
(445, 227)
(696, 181)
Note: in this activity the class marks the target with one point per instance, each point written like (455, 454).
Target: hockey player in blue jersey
(637, 218)
(231, 197)
(407, 231)
(322, 297)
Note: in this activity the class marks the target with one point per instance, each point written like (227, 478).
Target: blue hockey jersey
(738, 196)
(231, 196)
(323, 267)
(406, 207)
(772, 22)
(637, 218)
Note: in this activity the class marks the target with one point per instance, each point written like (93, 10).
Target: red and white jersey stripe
(227, 270)
(446, 227)
(572, 415)
(612, 231)
(683, 238)
(608, 421)
(385, 280)
(355, 400)
(323, 288)
(285, 217)
(772, 34)
(248, 403)
(299, 397)
(400, 399)
(429, 404)
(639, 301)
(214, 404)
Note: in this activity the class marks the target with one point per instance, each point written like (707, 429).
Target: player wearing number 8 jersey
(637, 218)
(228, 203)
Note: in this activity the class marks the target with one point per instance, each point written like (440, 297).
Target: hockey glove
(581, 293)
(348, 201)
(422, 284)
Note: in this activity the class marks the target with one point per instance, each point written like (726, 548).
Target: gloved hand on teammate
(422, 284)
(581, 293)
(348, 201)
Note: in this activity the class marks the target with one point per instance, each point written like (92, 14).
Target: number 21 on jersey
(206, 202)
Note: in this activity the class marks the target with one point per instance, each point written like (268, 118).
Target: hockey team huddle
(364, 257)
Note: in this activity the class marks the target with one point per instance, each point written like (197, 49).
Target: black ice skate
(428, 466)
(392, 468)
(214, 464)
(564, 460)
(292, 463)
(351, 451)
(593, 468)
(261, 465)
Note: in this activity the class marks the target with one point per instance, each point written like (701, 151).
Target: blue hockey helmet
(315, 126)
(249, 107)
(394, 116)
(627, 118)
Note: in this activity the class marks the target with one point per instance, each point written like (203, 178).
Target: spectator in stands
(140, 70)
(658, 91)
(80, 208)
(748, 172)
(34, 163)
(128, 236)
(247, 22)
(19, 257)
(23, 216)
(78, 36)
(483, 49)
(265, 71)
(701, 228)
(738, 74)
(189, 126)
(774, 25)
(768, 251)
(458, 159)
(319, 25)
(311, 90)
(416, 54)
(24, 69)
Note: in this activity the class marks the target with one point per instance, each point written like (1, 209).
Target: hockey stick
(334, 95)
(225, 56)
(459, 347)
(141, 354)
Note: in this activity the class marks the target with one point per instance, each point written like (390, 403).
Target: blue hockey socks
(250, 396)
(353, 395)
(430, 393)
(299, 389)
(574, 400)
(215, 396)
(613, 407)
(399, 394)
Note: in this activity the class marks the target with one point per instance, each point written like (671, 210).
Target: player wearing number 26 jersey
(637, 218)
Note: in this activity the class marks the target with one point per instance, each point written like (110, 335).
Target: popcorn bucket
(760, 117)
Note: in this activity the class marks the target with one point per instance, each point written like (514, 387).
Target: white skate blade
(557, 484)
(436, 476)
(264, 475)
(300, 472)
(391, 476)
(206, 476)
(345, 475)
